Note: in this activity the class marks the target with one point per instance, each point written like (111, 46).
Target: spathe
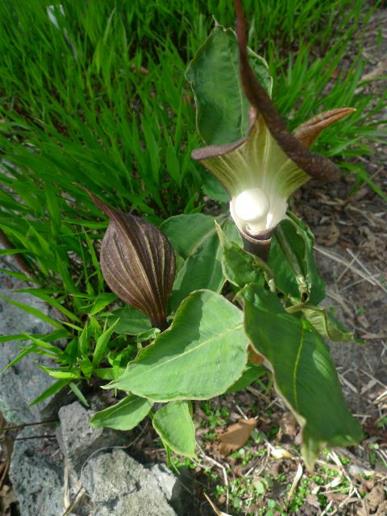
(137, 262)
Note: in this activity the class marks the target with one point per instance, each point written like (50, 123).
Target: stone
(78, 440)
(118, 485)
(23, 382)
(172, 488)
(36, 472)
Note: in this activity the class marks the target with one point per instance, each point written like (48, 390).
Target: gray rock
(36, 473)
(21, 383)
(78, 440)
(119, 486)
(172, 488)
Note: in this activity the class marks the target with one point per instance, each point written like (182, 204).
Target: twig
(81, 491)
(367, 271)
(19, 427)
(344, 271)
(223, 470)
(296, 481)
(35, 437)
(367, 277)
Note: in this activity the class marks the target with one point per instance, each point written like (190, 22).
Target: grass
(94, 96)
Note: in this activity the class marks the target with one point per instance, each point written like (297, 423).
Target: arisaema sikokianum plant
(192, 342)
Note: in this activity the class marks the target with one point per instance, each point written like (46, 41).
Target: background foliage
(97, 97)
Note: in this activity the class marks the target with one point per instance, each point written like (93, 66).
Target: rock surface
(48, 476)
(21, 383)
(37, 473)
(51, 466)
(78, 440)
(119, 486)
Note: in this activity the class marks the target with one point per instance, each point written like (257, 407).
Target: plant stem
(257, 246)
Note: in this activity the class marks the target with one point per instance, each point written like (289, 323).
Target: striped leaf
(138, 263)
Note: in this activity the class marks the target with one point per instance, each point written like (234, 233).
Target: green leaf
(10, 252)
(105, 373)
(49, 337)
(221, 106)
(102, 345)
(101, 302)
(23, 353)
(147, 335)
(304, 374)
(249, 375)
(327, 325)
(86, 366)
(53, 389)
(174, 424)
(83, 340)
(198, 357)
(78, 393)
(202, 267)
(213, 189)
(124, 415)
(292, 262)
(199, 227)
(46, 296)
(61, 374)
(131, 321)
(239, 266)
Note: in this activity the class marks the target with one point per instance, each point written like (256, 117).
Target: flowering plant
(262, 169)
(208, 345)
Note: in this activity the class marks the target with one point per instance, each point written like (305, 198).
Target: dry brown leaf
(328, 235)
(7, 498)
(236, 436)
(288, 425)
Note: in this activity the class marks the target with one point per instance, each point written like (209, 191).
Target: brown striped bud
(138, 263)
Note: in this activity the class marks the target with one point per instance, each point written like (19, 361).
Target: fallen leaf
(280, 453)
(296, 481)
(375, 497)
(236, 436)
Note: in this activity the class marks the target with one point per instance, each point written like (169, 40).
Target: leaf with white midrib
(200, 356)
(303, 372)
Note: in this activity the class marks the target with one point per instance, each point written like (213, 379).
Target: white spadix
(252, 207)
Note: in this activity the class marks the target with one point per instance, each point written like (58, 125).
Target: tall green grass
(96, 98)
